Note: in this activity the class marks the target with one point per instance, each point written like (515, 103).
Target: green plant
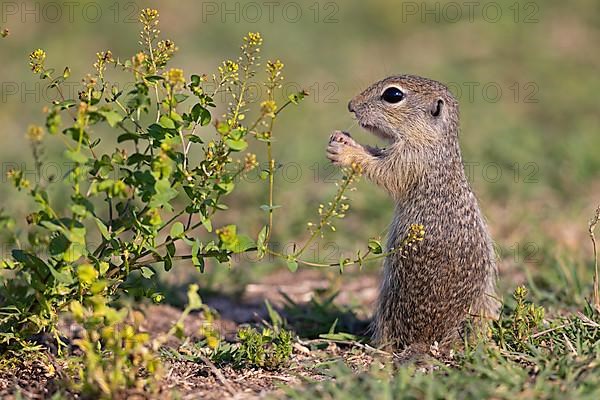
(117, 354)
(516, 331)
(143, 200)
(266, 349)
(130, 197)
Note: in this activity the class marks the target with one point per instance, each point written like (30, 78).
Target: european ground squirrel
(428, 294)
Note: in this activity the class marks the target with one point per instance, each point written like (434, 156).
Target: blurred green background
(526, 75)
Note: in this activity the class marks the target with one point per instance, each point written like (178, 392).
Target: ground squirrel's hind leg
(488, 305)
(417, 353)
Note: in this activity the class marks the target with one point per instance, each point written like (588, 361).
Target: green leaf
(292, 264)
(76, 156)
(157, 132)
(102, 228)
(168, 262)
(375, 246)
(103, 267)
(63, 105)
(197, 261)
(78, 209)
(61, 277)
(180, 97)
(276, 319)
(207, 223)
(200, 114)
(76, 134)
(177, 230)
(166, 122)
(343, 261)
(332, 327)
(147, 272)
(47, 73)
(342, 336)
(236, 145)
(260, 242)
(164, 193)
(74, 252)
(58, 245)
(171, 249)
(53, 227)
(154, 78)
(175, 117)
(195, 139)
(226, 187)
(112, 117)
(266, 207)
(128, 136)
(244, 243)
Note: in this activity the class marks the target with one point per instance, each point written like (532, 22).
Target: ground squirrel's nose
(350, 106)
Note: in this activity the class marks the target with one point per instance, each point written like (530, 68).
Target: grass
(527, 358)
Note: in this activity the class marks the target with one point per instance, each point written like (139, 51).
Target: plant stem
(271, 183)
(329, 213)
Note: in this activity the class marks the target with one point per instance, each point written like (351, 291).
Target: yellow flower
(139, 58)
(268, 108)
(35, 133)
(229, 68)
(274, 66)
(105, 56)
(253, 39)
(36, 60)
(250, 162)
(175, 77)
(148, 15)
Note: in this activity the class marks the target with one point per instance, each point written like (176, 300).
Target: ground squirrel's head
(407, 108)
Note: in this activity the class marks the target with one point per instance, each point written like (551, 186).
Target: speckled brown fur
(427, 296)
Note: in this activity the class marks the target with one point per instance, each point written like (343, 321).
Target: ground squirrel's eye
(392, 95)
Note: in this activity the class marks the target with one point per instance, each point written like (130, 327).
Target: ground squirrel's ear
(436, 107)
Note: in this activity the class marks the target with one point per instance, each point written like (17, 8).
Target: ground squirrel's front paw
(342, 149)
(342, 137)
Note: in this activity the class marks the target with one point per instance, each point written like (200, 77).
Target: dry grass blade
(218, 374)
(569, 344)
(587, 321)
(593, 222)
